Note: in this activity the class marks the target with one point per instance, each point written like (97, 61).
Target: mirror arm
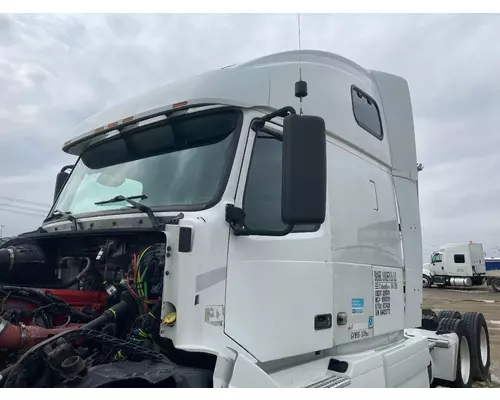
(259, 123)
(281, 112)
(67, 167)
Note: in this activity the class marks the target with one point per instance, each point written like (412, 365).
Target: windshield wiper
(139, 206)
(119, 198)
(61, 214)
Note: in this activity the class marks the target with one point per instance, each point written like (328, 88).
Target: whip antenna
(300, 86)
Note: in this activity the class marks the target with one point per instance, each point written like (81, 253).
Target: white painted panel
(271, 305)
(362, 233)
(353, 285)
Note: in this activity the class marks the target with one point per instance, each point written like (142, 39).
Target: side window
(366, 112)
(262, 198)
(459, 258)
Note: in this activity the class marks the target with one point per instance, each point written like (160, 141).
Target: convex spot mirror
(304, 170)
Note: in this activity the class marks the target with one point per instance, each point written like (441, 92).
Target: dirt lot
(481, 299)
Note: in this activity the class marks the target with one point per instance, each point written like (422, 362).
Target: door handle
(376, 195)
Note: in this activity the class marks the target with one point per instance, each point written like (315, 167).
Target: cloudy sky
(56, 70)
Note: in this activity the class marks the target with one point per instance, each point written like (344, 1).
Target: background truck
(255, 226)
(456, 264)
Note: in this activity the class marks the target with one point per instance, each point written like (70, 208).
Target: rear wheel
(449, 314)
(463, 377)
(495, 284)
(477, 331)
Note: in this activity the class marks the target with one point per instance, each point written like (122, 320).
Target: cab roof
(247, 85)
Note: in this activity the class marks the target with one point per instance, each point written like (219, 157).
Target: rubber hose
(77, 278)
(4, 374)
(115, 313)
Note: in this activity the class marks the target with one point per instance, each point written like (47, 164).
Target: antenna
(300, 86)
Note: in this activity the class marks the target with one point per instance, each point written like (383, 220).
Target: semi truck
(460, 265)
(456, 264)
(253, 226)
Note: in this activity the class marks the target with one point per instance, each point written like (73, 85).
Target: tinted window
(366, 112)
(262, 199)
(177, 164)
(459, 258)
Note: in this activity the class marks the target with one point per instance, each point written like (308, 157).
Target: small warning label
(384, 283)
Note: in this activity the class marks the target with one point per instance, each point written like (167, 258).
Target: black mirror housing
(304, 170)
(61, 179)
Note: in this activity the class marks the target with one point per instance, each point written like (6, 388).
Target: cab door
(279, 294)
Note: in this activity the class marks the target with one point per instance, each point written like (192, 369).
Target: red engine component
(17, 337)
(26, 334)
(78, 299)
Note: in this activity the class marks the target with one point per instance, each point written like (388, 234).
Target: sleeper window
(366, 112)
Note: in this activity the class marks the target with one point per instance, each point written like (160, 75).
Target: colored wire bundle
(139, 272)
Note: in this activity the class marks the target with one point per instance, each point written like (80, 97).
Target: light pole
(1, 230)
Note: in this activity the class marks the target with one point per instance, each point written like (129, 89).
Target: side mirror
(61, 179)
(304, 170)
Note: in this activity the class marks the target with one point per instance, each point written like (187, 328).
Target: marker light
(179, 105)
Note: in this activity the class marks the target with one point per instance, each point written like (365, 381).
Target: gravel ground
(481, 299)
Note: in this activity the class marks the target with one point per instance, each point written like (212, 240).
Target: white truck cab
(456, 264)
(293, 242)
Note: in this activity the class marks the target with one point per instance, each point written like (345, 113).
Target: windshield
(437, 257)
(175, 165)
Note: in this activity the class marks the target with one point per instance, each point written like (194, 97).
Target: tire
(495, 284)
(479, 337)
(449, 314)
(463, 373)
(426, 281)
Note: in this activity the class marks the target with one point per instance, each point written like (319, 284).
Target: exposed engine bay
(83, 310)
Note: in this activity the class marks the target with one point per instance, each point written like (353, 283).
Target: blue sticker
(370, 322)
(358, 306)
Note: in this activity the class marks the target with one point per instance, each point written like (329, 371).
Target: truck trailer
(253, 226)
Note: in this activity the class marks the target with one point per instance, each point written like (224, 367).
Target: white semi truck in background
(459, 265)
(260, 229)
(456, 264)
